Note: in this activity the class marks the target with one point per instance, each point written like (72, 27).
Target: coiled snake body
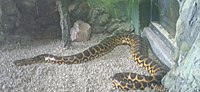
(124, 81)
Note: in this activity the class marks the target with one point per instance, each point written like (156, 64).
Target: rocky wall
(28, 19)
(184, 76)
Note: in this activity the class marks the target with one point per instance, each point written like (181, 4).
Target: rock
(185, 76)
(10, 16)
(98, 29)
(94, 13)
(80, 31)
(103, 19)
(27, 6)
(113, 27)
(78, 10)
(38, 17)
(73, 31)
(99, 19)
(120, 27)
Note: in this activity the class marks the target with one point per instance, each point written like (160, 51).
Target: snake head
(29, 61)
(23, 62)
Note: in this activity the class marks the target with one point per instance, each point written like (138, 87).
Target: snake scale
(125, 80)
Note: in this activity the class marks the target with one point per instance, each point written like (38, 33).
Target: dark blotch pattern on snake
(124, 81)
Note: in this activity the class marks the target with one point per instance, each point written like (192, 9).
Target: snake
(124, 80)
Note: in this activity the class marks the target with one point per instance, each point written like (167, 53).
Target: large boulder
(185, 77)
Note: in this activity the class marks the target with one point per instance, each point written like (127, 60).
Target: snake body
(125, 80)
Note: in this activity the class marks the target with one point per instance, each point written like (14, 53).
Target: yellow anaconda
(124, 81)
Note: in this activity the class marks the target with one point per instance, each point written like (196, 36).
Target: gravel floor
(94, 76)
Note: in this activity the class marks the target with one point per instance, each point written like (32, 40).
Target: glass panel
(166, 12)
